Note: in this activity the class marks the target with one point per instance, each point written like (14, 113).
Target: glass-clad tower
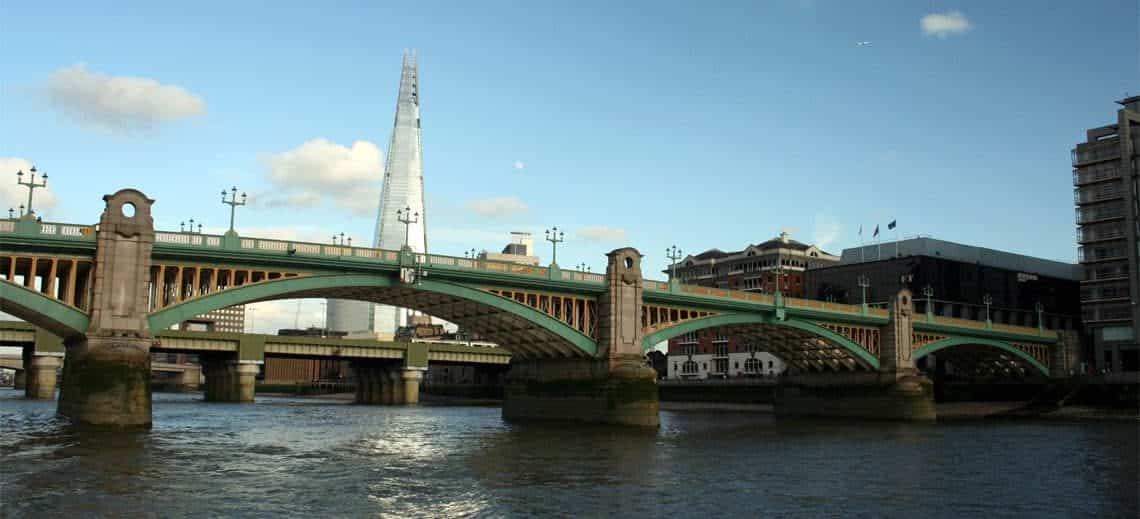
(403, 190)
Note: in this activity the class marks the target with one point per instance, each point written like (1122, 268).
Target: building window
(721, 366)
(753, 365)
(689, 367)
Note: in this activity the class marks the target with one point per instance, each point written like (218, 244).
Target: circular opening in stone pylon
(128, 210)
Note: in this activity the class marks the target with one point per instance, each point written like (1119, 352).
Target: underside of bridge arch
(45, 312)
(984, 358)
(524, 331)
(804, 346)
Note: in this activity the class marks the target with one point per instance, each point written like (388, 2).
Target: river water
(285, 457)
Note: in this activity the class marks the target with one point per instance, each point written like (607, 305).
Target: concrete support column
(191, 378)
(411, 378)
(244, 380)
(230, 381)
(394, 389)
(20, 380)
(42, 376)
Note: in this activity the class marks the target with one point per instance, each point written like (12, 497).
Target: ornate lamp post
(864, 282)
(554, 236)
(233, 203)
(470, 254)
(987, 300)
(189, 227)
(1040, 315)
(407, 217)
(674, 254)
(30, 184)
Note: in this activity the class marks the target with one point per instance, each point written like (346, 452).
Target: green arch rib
(48, 313)
(959, 341)
(282, 288)
(652, 339)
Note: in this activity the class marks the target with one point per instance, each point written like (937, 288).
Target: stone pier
(20, 380)
(106, 374)
(896, 392)
(615, 387)
(386, 383)
(229, 380)
(42, 376)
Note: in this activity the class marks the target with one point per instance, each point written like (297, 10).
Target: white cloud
(826, 230)
(941, 25)
(520, 165)
(602, 233)
(119, 104)
(270, 316)
(13, 195)
(501, 207)
(323, 171)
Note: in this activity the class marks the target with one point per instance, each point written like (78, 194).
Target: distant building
(959, 276)
(1106, 191)
(519, 250)
(278, 370)
(710, 355)
(778, 263)
(229, 319)
(755, 268)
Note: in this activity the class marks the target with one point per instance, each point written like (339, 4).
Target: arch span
(519, 328)
(735, 319)
(43, 311)
(950, 342)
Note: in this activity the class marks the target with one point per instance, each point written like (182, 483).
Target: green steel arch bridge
(90, 282)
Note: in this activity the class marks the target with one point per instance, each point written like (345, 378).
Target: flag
(891, 225)
(876, 234)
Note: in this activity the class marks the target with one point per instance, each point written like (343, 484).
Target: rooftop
(925, 246)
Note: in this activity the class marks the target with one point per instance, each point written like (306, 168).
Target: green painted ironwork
(43, 311)
(978, 341)
(287, 287)
(651, 340)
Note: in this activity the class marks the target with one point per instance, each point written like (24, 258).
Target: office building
(1106, 195)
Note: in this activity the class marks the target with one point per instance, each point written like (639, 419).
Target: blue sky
(645, 123)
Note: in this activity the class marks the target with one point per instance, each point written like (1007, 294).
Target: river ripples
(300, 457)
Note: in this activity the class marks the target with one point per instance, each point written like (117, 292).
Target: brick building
(776, 264)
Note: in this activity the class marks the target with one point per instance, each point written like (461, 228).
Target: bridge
(576, 338)
(222, 386)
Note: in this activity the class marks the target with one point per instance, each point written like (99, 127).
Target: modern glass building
(401, 217)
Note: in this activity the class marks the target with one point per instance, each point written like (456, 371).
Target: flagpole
(896, 239)
(862, 251)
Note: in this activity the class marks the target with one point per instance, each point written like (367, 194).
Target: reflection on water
(296, 457)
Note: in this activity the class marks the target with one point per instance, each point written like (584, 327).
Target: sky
(644, 124)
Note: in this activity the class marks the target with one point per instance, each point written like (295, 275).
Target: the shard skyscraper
(403, 189)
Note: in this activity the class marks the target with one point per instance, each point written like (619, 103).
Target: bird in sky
(862, 44)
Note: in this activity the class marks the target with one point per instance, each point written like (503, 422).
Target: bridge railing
(55, 229)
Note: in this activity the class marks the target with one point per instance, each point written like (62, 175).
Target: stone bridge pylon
(106, 374)
(616, 386)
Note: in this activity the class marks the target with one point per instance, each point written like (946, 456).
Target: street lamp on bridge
(189, 227)
(864, 282)
(674, 254)
(471, 254)
(233, 203)
(30, 184)
(554, 236)
(987, 300)
(407, 217)
(583, 267)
